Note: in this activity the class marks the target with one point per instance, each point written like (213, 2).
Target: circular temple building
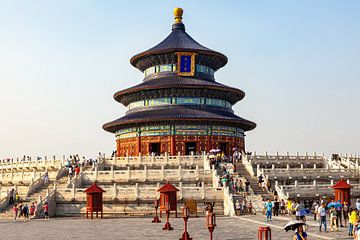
(179, 107)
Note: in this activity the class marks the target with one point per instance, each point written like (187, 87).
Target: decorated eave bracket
(185, 63)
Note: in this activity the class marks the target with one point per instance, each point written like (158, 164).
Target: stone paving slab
(141, 228)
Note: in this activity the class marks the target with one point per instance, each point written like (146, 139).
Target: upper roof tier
(178, 41)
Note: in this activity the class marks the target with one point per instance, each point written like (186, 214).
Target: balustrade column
(128, 173)
(136, 189)
(140, 158)
(180, 173)
(296, 185)
(258, 170)
(273, 167)
(96, 173)
(179, 158)
(73, 191)
(203, 190)
(162, 172)
(301, 166)
(114, 191)
(197, 172)
(192, 158)
(145, 173)
(112, 172)
(166, 158)
(314, 165)
(315, 186)
(152, 158)
(180, 190)
(287, 167)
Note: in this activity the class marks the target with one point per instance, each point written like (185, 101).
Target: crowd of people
(337, 214)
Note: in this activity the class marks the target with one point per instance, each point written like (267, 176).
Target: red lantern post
(156, 218)
(211, 223)
(185, 214)
(167, 225)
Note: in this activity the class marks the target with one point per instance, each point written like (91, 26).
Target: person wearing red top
(46, 211)
(77, 170)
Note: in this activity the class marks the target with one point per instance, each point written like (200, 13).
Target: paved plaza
(142, 228)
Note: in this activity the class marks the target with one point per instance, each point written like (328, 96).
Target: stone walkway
(142, 228)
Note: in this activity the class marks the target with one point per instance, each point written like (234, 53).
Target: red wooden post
(156, 218)
(167, 225)
(185, 214)
(211, 223)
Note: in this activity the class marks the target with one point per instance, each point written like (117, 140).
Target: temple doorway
(154, 148)
(223, 148)
(190, 147)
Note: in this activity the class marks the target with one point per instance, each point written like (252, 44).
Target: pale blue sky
(62, 61)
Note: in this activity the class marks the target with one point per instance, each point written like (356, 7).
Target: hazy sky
(61, 62)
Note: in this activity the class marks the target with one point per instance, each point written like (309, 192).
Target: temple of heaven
(179, 107)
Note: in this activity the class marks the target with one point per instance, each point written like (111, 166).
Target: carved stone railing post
(166, 158)
(179, 158)
(180, 190)
(192, 158)
(112, 173)
(128, 173)
(202, 190)
(197, 172)
(114, 193)
(140, 158)
(180, 173)
(162, 173)
(145, 173)
(137, 195)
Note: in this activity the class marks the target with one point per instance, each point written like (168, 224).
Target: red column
(138, 150)
(208, 143)
(172, 145)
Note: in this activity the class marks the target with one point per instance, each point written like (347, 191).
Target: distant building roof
(94, 189)
(341, 185)
(168, 188)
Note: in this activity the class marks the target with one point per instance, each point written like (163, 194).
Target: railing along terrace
(312, 190)
(137, 192)
(148, 174)
(277, 157)
(32, 163)
(158, 160)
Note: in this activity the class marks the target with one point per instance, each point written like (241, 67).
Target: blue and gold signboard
(186, 64)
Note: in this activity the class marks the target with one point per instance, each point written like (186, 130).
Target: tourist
(17, 197)
(247, 185)
(260, 180)
(26, 212)
(249, 207)
(237, 207)
(300, 234)
(315, 206)
(345, 212)
(15, 211)
(322, 216)
(46, 211)
(268, 209)
(358, 204)
(20, 209)
(339, 213)
(11, 196)
(46, 178)
(242, 206)
(32, 209)
(297, 210)
(282, 207)
(353, 218)
(333, 217)
(276, 207)
(263, 185)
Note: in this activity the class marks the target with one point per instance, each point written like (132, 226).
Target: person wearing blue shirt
(300, 234)
(268, 208)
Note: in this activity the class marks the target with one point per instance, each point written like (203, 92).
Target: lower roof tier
(177, 86)
(179, 114)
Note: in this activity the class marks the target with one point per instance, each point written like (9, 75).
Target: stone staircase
(36, 196)
(242, 172)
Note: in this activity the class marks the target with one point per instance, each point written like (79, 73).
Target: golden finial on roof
(178, 12)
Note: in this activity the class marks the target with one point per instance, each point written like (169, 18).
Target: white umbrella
(292, 225)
